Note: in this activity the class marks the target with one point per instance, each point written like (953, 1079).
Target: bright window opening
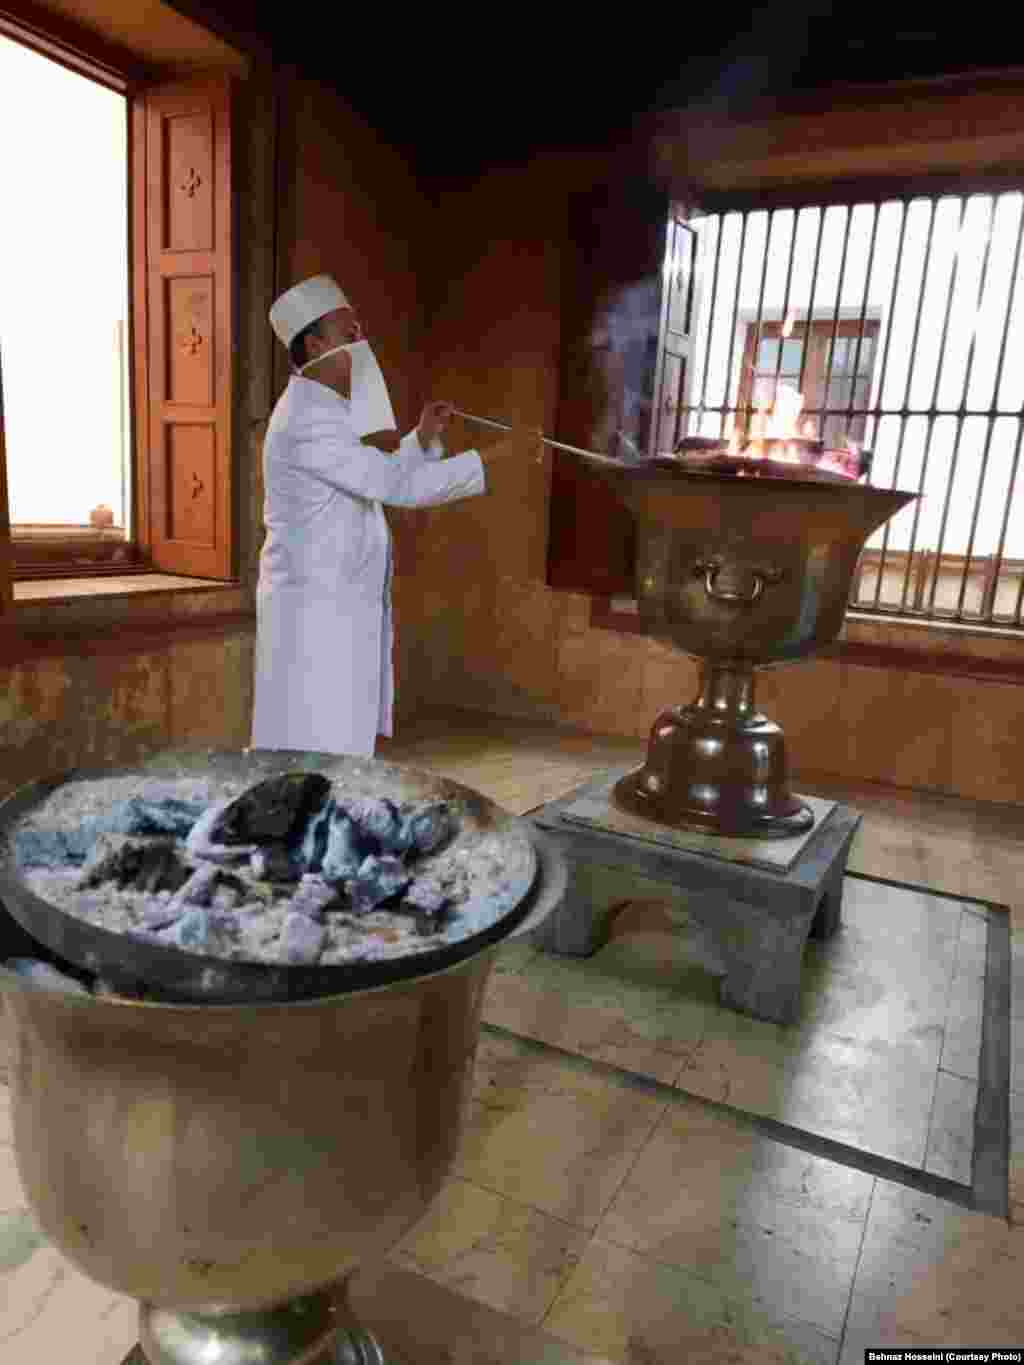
(64, 298)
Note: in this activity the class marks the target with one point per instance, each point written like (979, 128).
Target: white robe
(323, 647)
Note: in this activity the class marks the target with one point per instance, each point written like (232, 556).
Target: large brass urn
(743, 570)
(229, 1165)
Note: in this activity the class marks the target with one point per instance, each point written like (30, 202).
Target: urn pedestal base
(716, 765)
(352, 1348)
(318, 1329)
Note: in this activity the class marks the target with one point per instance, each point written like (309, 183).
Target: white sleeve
(327, 450)
(410, 445)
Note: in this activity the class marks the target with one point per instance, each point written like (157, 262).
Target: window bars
(902, 323)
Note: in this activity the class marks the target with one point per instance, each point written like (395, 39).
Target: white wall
(63, 287)
(978, 382)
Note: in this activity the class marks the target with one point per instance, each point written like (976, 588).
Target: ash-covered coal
(293, 869)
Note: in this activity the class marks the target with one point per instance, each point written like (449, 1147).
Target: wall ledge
(29, 590)
(25, 644)
(871, 642)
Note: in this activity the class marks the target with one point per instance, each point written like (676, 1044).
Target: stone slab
(595, 807)
(749, 924)
(689, 869)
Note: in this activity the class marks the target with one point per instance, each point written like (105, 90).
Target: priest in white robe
(323, 650)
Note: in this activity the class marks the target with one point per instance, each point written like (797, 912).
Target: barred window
(902, 323)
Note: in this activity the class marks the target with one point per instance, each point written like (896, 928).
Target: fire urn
(742, 570)
(230, 1165)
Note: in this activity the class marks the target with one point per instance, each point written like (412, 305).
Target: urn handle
(711, 568)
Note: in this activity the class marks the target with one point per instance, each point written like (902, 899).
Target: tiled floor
(593, 1218)
(719, 1245)
(884, 1058)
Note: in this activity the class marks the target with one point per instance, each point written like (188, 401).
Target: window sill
(140, 614)
(31, 590)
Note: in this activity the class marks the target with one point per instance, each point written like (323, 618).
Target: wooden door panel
(187, 253)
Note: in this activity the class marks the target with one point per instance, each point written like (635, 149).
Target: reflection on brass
(741, 573)
(226, 1165)
(212, 1160)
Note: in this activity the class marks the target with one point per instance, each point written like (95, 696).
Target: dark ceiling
(459, 94)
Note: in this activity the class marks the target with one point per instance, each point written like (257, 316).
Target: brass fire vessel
(742, 571)
(230, 1165)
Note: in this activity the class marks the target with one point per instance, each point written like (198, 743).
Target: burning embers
(294, 869)
(776, 445)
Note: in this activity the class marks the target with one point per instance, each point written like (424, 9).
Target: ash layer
(295, 869)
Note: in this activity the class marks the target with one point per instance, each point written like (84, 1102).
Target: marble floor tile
(874, 996)
(11, 1196)
(764, 1222)
(961, 1041)
(493, 1250)
(516, 1004)
(860, 1065)
(644, 1313)
(49, 1312)
(951, 1131)
(549, 1135)
(63, 1317)
(972, 947)
(887, 973)
(1017, 1147)
(932, 1274)
(613, 1007)
(1017, 1054)
(1017, 969)
(513, 957)
(419, 1322)
(876, 1096)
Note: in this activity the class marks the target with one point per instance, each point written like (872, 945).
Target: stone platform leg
(747, 925)
(828, 910)
(763, 955)
(580, 925)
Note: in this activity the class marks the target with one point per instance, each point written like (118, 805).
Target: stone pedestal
(746, 908)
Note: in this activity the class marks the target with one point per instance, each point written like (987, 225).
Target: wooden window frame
(33, 552)
(821, 329)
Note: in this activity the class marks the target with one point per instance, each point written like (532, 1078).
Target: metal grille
(902, 323)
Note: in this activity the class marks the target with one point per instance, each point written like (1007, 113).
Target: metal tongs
(545, 440)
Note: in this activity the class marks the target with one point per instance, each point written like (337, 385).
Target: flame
(776, 434)
(778, 423)
(782, 420)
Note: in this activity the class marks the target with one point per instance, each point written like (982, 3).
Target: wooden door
(185, 420)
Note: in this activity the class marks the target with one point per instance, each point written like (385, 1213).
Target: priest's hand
(433, 420)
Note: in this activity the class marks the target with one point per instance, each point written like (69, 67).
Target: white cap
(305, 303)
